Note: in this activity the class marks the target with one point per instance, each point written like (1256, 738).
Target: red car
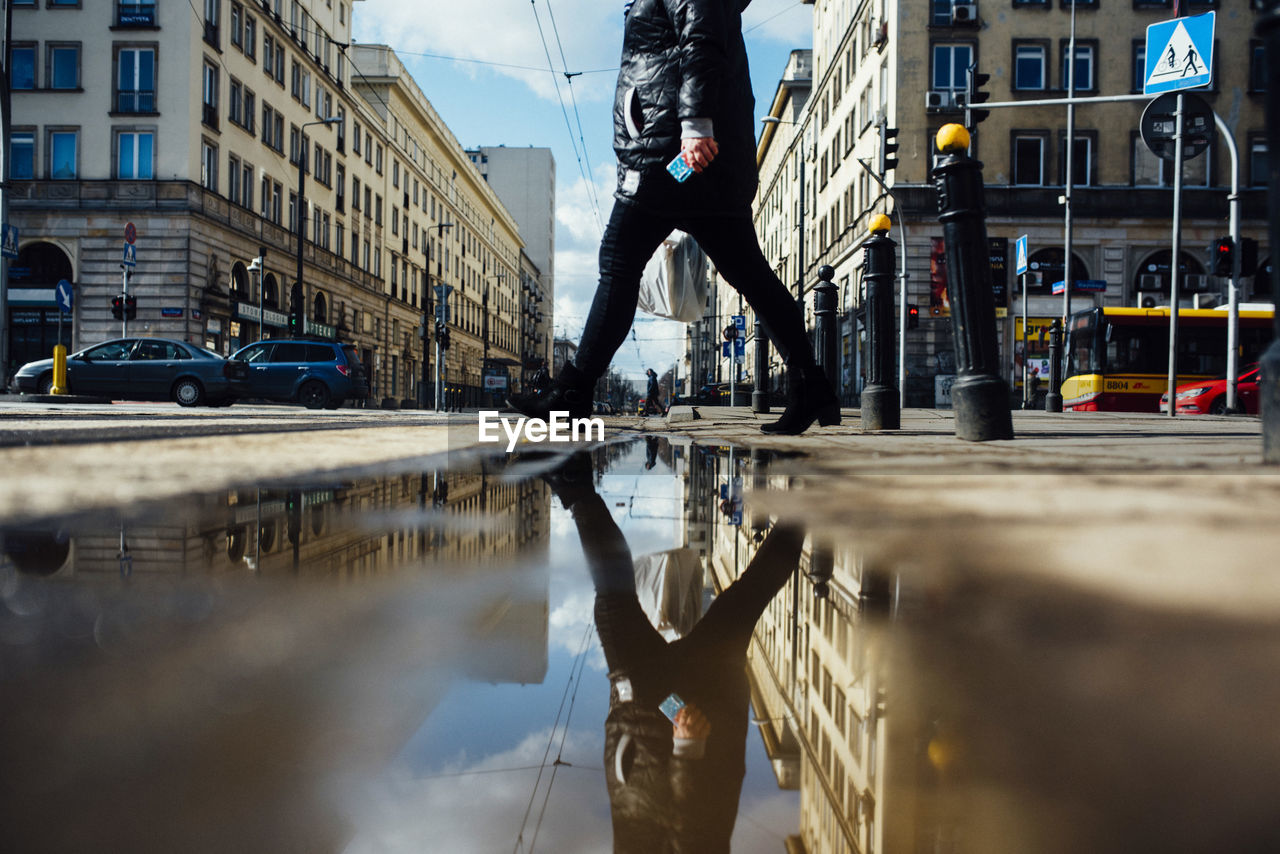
(1211, 395)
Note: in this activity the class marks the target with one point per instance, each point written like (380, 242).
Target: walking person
(684, 89)
(653, 395)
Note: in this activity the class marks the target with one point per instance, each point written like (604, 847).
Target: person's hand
(691, 723)
(699, 151)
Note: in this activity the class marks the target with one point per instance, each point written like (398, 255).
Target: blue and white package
(671, 706)
(679, 169)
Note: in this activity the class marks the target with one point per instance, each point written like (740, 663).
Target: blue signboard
(1179, 54)
(1095, 285)
(130, 255)
(740, 322)
(1020, 255)
(63, 296)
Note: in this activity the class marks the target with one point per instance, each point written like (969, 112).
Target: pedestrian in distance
(653, 395)
(684, 102)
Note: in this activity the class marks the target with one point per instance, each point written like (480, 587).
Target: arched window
(1152, 275)
(40, 265)
(320, 308)
(270, 291)
(239, 281)
(1045, 268)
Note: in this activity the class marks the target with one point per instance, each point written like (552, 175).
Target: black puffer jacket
(684, 59)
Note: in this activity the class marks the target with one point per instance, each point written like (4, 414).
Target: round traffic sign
(130, 233)
(1159, 125)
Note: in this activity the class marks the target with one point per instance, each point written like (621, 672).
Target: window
(210, 95)
(341, 188)
(1151, 171)
(136, 80)
(212, 9)
(235, 103)
(950, 66)
(342, 130)
(1028, 159)
(209, 166)
(23, 72)
(1084, 79)
(233, 179)
(1082, 171)
(64, 152)
(22, 154)
(273, 59)
(1257, 66)
(272, 127)
(64, 66)
(293, 212)
(250, 40)
(237, 25)
(1029, 66)
(1257, 155)
(377, 208)
(355, 138)
(134, 155)
(246, 185)
(1138, 63)
(339, 239)
(355, 193)
(379, 164)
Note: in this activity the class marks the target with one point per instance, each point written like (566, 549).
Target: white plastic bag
(674, 284)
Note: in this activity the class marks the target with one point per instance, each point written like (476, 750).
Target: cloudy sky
(484, 66)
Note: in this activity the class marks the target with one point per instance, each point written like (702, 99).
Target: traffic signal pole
(1233, 287)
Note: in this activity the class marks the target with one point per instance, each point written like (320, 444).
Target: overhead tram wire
(582, 169)
(524, 821)
(582, 137)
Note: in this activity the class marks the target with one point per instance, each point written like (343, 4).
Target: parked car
(1211, 395)
(141, 369)
(316, 373)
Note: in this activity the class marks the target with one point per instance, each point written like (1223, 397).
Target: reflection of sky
(467, 777)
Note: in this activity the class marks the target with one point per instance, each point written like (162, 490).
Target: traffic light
(130, 307)
(913, 315)
(974, 95)
(117, 307)
(888, 148)
(295, 326)
(444, 339)
(1220, 256)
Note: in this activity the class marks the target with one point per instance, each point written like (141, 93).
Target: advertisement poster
(1036, 354)
(939, 304)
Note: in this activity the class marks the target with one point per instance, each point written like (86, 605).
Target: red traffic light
(913, 316)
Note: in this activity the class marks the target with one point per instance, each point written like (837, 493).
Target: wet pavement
(470, 657)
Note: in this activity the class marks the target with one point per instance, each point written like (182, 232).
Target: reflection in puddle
(475, 660)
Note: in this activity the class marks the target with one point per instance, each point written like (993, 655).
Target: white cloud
(505, 32)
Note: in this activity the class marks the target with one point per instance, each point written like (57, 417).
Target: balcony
(141, 15)
(209, 115)
(136, 101)
(211, 34)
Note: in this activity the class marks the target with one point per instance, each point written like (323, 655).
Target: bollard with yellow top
(979, 396)
(59, 369)
(881, 402)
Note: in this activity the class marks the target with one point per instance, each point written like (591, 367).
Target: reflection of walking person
(672, 789)
(1191, 66)
(684, 90)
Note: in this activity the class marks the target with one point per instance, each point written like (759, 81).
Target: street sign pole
(1026, 350)
(124, 289)
(1173, 260)
(1233, 287)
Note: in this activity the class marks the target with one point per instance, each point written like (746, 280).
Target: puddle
(474, 660)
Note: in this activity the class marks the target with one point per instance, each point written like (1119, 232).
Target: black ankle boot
(809, 398)
(569, 392)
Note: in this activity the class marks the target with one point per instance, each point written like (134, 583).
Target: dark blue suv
(317, 374)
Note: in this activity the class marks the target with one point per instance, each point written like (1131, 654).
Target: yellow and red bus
(1118, 358)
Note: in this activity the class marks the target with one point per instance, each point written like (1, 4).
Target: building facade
(228, 131)
(879, 64)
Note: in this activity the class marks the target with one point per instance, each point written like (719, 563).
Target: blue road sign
(724, 349)
(130, 255)
(1179, 54)
(740, 321)
(739, 346)
(9, 241)
(64, 296)
(1020, 256)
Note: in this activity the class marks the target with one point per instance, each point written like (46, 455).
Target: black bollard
(979, 396)
(1053, 398)
(825, 299)
(880, 402)
(760, 396)
(1267, 28)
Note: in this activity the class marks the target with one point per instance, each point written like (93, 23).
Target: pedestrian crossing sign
(1020, 255)
(1179, 54)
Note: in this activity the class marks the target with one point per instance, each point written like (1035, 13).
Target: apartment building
(882, 63)
(525, 181)
(224, 130)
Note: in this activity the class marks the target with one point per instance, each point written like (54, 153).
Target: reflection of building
(877, 64)
(190, 121)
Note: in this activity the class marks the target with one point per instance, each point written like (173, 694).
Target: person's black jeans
(730, 242)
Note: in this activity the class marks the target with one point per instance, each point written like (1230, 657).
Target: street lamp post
(258, 266)
(299, 311)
